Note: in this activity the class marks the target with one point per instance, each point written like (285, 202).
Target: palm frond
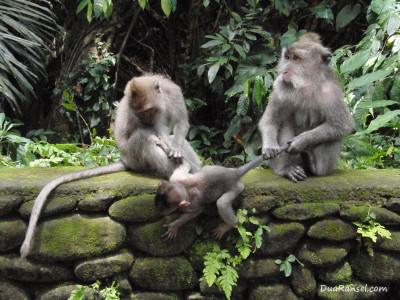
(26, 29)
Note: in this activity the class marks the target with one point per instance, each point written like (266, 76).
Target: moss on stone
(14, 267)
(9, 291)
(338, 275)
(260, 268)
(155, 296)
(139, 208)
(380, 268)
(197, 252)
(98, 201)
(9, 203)
(274, 291)
(63, 291)
(261, 203)
(149, 238)
(359, 213)
(12, 232)
(161, 274)
(334, 230)
(321, 255)
(305, 211)
(55, 205)
(103, 267)
(75, 237)
(392, 244)
(281, 237)
(303, 282)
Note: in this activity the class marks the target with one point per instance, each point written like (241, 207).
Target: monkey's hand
(222, 228)
(271, 152)
(175, 154)
(295, 173)
(296, 145)
(172, 231)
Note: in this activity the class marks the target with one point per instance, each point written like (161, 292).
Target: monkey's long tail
(48, 188)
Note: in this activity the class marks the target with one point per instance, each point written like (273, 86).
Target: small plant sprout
(220, 266)
(369, 229)
(286, 264)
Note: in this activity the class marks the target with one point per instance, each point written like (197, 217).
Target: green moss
(338, 275)
(305, 211)
(359, 213)
(197, 252)
(392, 244)
(55, 205)
(321, 255)
(77, 236)
(12, 232)
(275, 291)
(159, 274)
(303, 282)
(335, 230)
(139, 208)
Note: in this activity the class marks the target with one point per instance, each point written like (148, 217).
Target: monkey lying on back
(152, 108)
(306, 112)
(190, 195)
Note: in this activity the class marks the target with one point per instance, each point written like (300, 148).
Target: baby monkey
(191, 194)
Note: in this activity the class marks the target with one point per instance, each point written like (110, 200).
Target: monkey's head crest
(310, 37)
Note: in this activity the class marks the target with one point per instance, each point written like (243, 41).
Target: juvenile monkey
(306, 112)
(190, 195)
(151, 110)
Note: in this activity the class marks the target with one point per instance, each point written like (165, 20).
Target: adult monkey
(306, 113)
(152, 108)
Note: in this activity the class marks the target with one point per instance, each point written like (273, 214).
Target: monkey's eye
(296, 57)
(157, 86)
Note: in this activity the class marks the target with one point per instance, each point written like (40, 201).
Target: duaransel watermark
(354, 288)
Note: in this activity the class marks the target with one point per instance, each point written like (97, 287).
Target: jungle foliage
(63, 66)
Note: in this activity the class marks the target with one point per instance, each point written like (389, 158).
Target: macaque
(191, 194)
(306, 113)
(152, 110)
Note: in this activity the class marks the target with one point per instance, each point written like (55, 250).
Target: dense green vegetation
(63, 66)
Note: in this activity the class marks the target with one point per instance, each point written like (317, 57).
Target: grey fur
(137, 141)
(306, 113)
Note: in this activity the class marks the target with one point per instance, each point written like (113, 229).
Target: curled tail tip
(24, 251)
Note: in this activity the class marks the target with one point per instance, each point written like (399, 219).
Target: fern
(78, 293)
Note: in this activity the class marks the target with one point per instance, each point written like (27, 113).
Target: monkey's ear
(326, 56)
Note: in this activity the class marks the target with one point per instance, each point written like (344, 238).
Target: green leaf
(354, 62)
(323, 11)
(288, 270)
(166, 7)
(368, 78)
(382, 120)
(143, 3)
(82, 5)
(258, 90)
(278, 261)
(347, 14)
(393, 24)
(291, 258)
(212, 43)
(375, 104)
(78, 293)
(212, 72)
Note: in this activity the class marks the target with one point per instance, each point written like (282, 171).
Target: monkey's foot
(221, 230)
(295, 173)
(171, 232)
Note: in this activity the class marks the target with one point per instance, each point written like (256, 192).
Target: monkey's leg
(321, 160)
(289, 165)
(225, 210)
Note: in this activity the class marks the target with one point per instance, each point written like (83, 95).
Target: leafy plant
(96, 8)
(107, 293)
(26, 30)
(286, 264)
(220, 266)
(167, 6)
(369, 229)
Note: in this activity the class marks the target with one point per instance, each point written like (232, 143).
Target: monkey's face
(149, 116)
(171, 196)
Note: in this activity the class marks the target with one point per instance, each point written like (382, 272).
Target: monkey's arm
(180, 131)
(225, 203)
(269, 129)
(173, 227)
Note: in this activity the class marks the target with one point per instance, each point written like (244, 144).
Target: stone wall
(107, 228)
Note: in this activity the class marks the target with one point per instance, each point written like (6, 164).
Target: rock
(124, 286)
(261, 203)
(63, 291)
(97, 202)
(198, 250)
(77, 237)
(14, 267)
(337, 275)
(214, 290)
(155, 296)
(55, 206)
(260, 268)
(393, 204)
(303, 282)
(160, 274)
(275, 292)
(380, 268)
(149, 238)
(12, 233)
(352, 291)
(334, 230)
(359, 213)
(321, 255)
(9, 203)
(392, 244)
(103, 267)
(9, 291)
(198, 296)
(305, 211)
(281, 238)
(139, 208)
